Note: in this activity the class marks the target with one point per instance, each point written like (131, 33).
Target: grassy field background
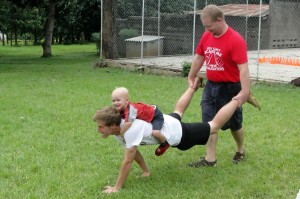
(50, 147)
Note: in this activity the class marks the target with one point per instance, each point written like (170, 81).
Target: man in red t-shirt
(225, 53)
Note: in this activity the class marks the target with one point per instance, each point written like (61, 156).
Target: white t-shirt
(140, 133)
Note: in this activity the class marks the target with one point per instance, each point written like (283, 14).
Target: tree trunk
(35, 37)
(25, 39)
(109, 29)
(3, 39)
(49, 30)
(16, 36)
(11, 37)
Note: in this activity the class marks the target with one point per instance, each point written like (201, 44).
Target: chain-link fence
(271, 30)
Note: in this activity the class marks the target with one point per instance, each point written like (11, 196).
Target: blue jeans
(158, 120)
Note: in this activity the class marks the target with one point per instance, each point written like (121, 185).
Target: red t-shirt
(222, 55)
(138, 110)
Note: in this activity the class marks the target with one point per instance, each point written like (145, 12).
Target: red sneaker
(161, 149)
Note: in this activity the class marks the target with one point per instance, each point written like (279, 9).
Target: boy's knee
(156, 133)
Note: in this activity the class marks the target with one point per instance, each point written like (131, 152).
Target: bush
(95, 37)
(186, 67)
(128, 33)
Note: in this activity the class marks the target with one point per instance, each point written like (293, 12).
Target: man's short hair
(213, 12)
(109, 115)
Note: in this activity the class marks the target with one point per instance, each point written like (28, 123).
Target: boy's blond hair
(121, 91)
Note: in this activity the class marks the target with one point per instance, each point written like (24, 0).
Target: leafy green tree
(20, 17)
(31, 22)
(76, 18)
(5, 7)
(128, 8)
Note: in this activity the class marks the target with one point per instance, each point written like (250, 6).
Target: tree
(109, 29)
(5, 7)
(49, 29)
(128, 8)
(18, 18)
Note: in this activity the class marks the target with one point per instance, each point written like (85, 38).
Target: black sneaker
(238, 157)
(203, 163)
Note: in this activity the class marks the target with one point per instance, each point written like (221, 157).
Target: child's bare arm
(125, 127)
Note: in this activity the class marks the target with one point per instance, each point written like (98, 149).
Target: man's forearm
(195, 68)
(196, 65)
(124, 172)
(245, 84)
(245, 79)
(126, 166)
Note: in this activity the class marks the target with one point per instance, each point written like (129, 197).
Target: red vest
(140, 111)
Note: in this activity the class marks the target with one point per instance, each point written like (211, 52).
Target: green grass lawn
(50, 147)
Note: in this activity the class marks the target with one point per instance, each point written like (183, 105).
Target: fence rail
(272, 33)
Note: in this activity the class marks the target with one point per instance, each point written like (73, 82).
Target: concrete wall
(285, 24)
